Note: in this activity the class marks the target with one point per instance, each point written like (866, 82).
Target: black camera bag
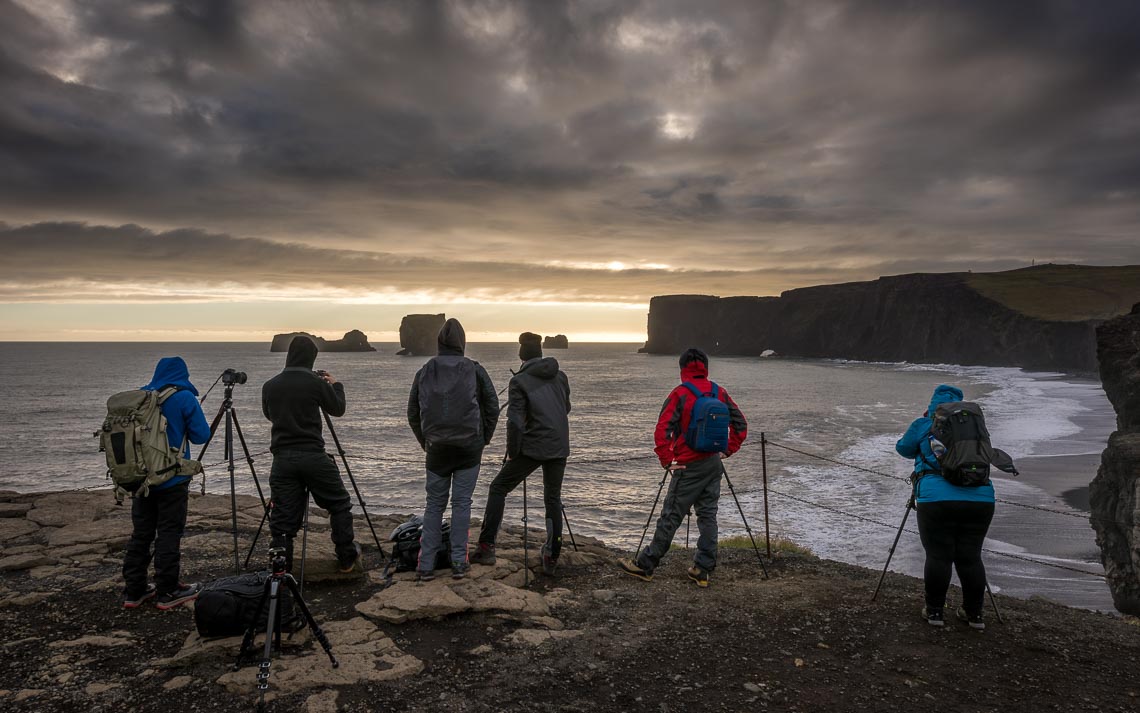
(226, 606)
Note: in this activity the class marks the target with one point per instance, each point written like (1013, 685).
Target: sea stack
(352, 341)
(1114, 494)
(418, 333)
(556, 342)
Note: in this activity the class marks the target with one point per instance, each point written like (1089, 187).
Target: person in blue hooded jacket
(952, 521)
(159, 517)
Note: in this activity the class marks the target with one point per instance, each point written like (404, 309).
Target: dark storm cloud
(794, 141)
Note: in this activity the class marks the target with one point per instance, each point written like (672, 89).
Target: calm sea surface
(52, 397)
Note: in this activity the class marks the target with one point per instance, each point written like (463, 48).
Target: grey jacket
(537, 408)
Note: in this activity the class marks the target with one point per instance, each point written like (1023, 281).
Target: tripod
(526, 528)
(230, 378)
(271, 594)
(906, 515)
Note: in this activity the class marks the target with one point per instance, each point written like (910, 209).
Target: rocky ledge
(352, 341)
(507, 640)
(1114, 495)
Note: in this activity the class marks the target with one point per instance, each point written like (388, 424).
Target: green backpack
(134, 438)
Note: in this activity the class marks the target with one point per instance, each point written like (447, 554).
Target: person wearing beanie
(293, 401)
(694, 472)
(452, 410)
(538, 436)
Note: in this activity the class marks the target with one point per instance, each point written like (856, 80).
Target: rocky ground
(590, 639)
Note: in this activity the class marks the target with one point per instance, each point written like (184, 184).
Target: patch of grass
(1067, 293)
(780, 546)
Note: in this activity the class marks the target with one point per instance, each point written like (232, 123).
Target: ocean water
(53, 398)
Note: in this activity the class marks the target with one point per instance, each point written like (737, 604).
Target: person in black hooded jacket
(538, 435)
(293, 401)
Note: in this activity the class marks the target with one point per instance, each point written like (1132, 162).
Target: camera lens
(233, 376)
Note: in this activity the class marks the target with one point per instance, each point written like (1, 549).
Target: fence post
(764, 467)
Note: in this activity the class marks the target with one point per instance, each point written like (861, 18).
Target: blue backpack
(708, 423)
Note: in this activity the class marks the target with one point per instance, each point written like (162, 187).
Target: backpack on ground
(405, 541)
(226, 606)
(961, 428)
(133, 436)
(449, 402)
(708, 422)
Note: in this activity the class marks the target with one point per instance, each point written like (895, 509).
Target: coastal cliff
(352, 341)
(924, 318)
(419, 333)
(1114, 495)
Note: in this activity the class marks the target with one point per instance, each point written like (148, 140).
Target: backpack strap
(166, 393)
(697, 392)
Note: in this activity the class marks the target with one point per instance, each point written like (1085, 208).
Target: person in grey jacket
(452, 410)
(538, 435)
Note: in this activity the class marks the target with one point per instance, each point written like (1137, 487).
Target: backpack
(226, 606)
(961, 427)
(708, 422)
(405, 541)
(133, 436)
(449, 402)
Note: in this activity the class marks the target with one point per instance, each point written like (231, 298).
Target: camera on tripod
(277, 560)
(233, 376)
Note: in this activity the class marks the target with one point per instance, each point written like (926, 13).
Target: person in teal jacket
(952, 521)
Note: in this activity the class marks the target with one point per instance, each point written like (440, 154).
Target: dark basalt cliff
(352, 341)
(1114, 494)
(924, 318)
(556, 342)
(419, 334)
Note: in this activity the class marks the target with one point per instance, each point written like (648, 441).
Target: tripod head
(277, 560)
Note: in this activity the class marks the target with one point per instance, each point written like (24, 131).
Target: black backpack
(449, 402)
(226, 606)
(405, 541)
(961, 427)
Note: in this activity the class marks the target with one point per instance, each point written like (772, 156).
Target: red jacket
(669, 437)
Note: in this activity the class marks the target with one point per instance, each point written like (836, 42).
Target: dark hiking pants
(294, 476)
(697, 487)
(514, 472)
(159, 518)
(952, 534)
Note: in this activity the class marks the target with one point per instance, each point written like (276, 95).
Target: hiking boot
(425, 575)
(975, 622)
(459, 570)
(482, 554)
(184, 593)
(933, 616)
(344, 568)
(700, 576)
(632, 569)
(549, 564)
(131, 601)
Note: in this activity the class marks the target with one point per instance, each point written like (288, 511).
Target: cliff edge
(1114, 494)
(352, 341)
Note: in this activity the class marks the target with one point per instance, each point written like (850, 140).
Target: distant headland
(558, 341)
(419, 334)
(352, 341)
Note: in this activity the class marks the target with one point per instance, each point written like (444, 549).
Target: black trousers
(952, 534)
(294, 476)
(514, 472)
(159, 519)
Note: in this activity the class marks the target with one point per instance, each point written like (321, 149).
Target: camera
(233, 376)
(277, 560)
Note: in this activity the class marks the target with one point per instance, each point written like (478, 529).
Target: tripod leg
(688, 523)
(267, 657)
(249, 460)
(257, 535)
(660, 487)
(526, 540)
(213, 430)
(571, 532)
(747, 527)
(318, 632)
(304, 542)
(251, 631)
(993, 601)
(233, 485)
(891, 554)
(351, 479)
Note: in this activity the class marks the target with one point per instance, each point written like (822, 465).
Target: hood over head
(171, 371)
(302, 353)
(542, 367)
(943, 394)
(452, 339)
(694, 370)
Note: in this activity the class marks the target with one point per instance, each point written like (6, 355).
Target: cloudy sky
(226, 170)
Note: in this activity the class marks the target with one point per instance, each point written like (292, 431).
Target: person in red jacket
(695, 475)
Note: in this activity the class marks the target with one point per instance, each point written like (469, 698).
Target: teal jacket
(915, 443)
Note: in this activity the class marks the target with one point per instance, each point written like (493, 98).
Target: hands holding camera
(328, 378)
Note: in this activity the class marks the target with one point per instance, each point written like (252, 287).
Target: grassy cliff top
(1068, 293)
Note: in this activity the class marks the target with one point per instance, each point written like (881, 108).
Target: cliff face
(352, 341)
(1114, 495)
(915, 318)
(419, 334)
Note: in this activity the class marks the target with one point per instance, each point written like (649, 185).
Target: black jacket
(293, 400)
(539, 401)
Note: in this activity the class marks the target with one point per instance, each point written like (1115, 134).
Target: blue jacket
(915, 443)
(182, 411)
